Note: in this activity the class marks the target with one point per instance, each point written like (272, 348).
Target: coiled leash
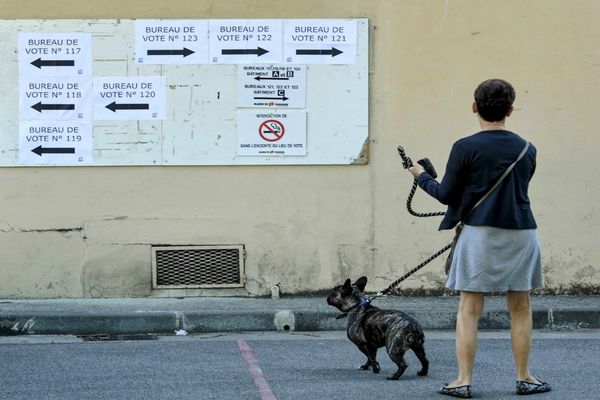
(407, 163)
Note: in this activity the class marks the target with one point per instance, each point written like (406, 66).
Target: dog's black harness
(362, 303)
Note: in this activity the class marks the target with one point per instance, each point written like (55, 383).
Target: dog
(370, 328)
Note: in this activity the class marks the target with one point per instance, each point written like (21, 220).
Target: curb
(166, 322)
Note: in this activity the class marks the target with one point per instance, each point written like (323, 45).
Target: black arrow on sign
(272, 98)
(39, 106)
(139, 106)
(259, 51)
(183, 52)
(263, 78)
(53, 63)
(333, 52)
(53, 150)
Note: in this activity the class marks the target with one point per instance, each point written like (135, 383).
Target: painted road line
(257, 375)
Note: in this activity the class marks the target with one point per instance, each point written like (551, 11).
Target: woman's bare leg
(521, 325)
(469, 311)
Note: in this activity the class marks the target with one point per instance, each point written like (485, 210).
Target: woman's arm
(449, 190)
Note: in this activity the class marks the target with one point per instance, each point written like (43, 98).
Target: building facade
(72, 231)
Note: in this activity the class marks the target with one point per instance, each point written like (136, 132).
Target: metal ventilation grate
(178, 267)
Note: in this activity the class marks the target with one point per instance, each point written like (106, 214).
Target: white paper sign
(272, 86)
(55, 54)
(57, 98)
(171, 42)
(130, 97)
(320, 41)
(55, 143)
(272, 133)
(246, 41)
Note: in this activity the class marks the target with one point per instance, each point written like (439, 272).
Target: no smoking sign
(271, 130)
(269, 134)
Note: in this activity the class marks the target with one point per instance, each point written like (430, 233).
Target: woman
(498, 249)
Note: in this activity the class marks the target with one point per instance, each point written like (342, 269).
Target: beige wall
(86, 232)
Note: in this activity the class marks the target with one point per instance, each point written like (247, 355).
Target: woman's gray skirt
(488, 259)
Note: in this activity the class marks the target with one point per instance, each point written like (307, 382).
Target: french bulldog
(370, 328)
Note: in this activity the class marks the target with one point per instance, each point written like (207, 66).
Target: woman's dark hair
(494, 98)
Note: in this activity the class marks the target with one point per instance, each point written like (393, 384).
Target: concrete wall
(86, 232)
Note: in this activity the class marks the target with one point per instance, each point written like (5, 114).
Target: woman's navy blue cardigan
(474, 165)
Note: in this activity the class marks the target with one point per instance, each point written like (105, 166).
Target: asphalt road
(283, 366)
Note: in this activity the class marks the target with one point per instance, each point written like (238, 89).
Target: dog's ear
(347, 288)
(361, 283)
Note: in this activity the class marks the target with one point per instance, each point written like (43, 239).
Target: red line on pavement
(257, 375)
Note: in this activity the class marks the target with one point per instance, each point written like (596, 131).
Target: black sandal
(464, 392)
(524, 387)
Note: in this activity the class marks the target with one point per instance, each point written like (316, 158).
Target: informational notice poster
(171, 41)
(272, 86)
(234, 41)
(55, 142)
(272, 133)
(311, 41)
(55, 98)
(52, 54)
(130, 97)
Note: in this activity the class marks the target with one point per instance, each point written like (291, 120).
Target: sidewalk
(210, 314)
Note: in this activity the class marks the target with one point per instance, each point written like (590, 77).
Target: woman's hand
(416, 170)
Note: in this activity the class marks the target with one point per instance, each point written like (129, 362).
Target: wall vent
(197, 267)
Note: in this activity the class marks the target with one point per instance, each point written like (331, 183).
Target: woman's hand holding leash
(416, 170)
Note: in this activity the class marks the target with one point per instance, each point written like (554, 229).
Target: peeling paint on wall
(363, 156)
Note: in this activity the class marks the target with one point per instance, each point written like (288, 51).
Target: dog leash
(407, 163)
(368, 300)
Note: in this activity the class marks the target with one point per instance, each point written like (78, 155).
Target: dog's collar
(362, 303)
